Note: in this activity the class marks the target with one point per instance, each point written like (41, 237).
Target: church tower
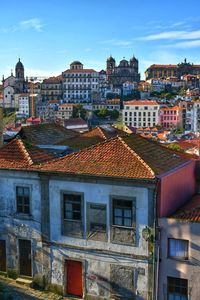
(110, 65)
(19, 75)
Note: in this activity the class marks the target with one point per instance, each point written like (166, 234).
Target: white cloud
(175, 35)
(34, 23)
(186, 44)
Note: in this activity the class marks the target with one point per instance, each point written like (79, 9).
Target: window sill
(22, 216)
(178, 258)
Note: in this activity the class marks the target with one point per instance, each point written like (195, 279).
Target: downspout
(156, 246)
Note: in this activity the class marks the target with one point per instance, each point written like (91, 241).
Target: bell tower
(19, 75)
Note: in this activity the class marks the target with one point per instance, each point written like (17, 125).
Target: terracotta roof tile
(80, 71)
(190, 211)
(141, 102)
(46, 133)
(16, 155)
(129, 157)
(112, 158)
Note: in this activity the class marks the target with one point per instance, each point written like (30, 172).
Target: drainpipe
(156, 242)
(1, 126)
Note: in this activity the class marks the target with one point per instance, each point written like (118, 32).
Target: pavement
(10, 290)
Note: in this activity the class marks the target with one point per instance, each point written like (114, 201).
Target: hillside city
(99, 181)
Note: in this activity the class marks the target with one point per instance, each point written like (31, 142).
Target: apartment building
(65, 111)
(179, 245)
(171, 117)
(79, 84)
(52, 89)
(144, 113)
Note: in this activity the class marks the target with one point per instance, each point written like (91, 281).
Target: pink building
(171, 117)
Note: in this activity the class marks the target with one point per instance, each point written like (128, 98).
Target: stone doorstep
(23, 280)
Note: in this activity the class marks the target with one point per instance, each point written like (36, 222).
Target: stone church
(125, 71)
(13, 85)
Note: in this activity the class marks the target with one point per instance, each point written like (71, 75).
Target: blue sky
(49, 34)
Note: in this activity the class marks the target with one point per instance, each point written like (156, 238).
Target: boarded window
(97, 221)
(122, 282)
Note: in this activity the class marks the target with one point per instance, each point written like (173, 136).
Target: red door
(74, 278)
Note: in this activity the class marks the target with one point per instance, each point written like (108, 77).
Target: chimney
(1, 126)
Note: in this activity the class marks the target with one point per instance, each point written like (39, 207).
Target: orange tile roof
(189, 212)
(80, 71)
(46, 133)
(141, 102)
(54, 79)
(128, 157)
(67, 105)
(163, 66)
(112, 158)
(16, 155)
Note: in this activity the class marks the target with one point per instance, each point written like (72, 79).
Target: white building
(196, 117)
(80, 85)
(128, 87)
(24, 105)
(141, 113)
(65, 111)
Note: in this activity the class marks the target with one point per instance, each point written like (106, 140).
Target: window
(72, 207)
(178, 248)
(122, 212)
(96, 221)
(23, 199)
(177, 288)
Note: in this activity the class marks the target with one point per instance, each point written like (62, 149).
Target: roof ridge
(102, 133)
(24, 150)
(135, 154)
(82, 150)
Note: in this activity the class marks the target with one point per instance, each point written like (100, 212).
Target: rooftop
(141, 102)
(190, 211)
(130, 157)
(17, 155)
(46, 133)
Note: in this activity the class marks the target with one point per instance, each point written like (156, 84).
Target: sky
(48, 35)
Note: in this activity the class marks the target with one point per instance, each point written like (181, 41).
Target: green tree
(79, 111)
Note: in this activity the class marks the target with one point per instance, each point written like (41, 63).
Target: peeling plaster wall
(13, 226)
(98, 257)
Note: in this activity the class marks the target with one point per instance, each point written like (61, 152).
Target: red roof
(80, 71)
(141, 102)
(163, 66)
(190, 212)
(16, 155)
(128, 157)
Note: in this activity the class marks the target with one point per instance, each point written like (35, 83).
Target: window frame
(186, 258)
(16, 199)
(176, 286)
(81, 206)
(123, 198)
(89, 231)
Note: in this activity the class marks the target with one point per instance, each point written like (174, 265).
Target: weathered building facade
(85, 222)
(125, 71)
(165, 71)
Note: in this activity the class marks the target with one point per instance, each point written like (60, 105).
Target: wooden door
(74, 278)
(2, 255)
(25, 262)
